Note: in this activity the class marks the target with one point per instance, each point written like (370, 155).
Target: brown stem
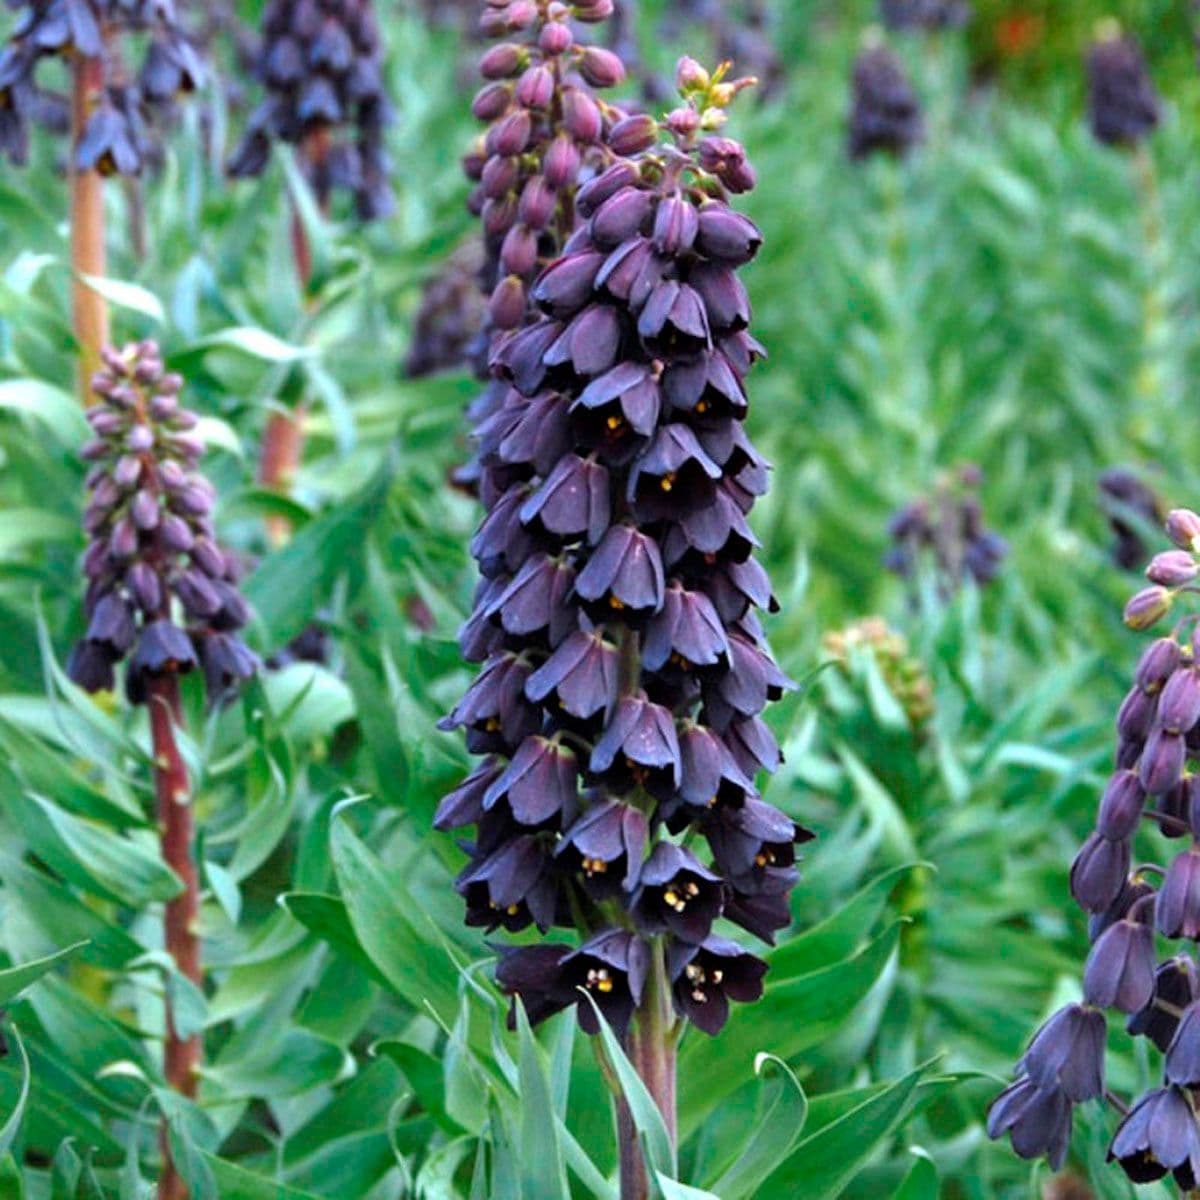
(89, 311)
(283, 439)
(181, 1056)
(650, 1045)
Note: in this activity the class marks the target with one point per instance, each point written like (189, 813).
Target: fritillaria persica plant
(625, 670)
(162, 599)
(1134, 905)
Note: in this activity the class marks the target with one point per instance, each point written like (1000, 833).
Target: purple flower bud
(492, 101)
(112, 625)
(518, 253)
(1157, 663)
(1183, 528)
(562, 162)
(499, 215)
(634, 134)
(1162, 762)
(175, 535)
(509, 136)
(502, 62)
(535, 88)
(140, 439)
(143, 583)
(566, 284)
(690, 76)
(1183, 1056)
(123, 542)
(555, 39)
(621, 216)
(127, 471)
(537, 204)
(581, 115)
(1179, 704)
(144, 510)
(1120, 807)
(1173, 568)
(675, 225)
(1148, 607)
(727, 235)
(507, 304)
(600, 67)
(91, 667)
(196, 594)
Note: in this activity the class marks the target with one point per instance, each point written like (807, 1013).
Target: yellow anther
(667, 482)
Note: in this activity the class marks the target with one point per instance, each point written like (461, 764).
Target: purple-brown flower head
(947, 530)
(321, 67)
(1067, 1053)
(1123, 105)
(1176, 987)
(885, 116)
(705, 977)
(115, 138)
(618, 554)
(1037, 1120)
(1160, 1136)
(1120, 969)
(161, 594)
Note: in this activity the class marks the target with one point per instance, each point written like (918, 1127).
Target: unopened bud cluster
(321, 63)
(114, 140)
(1129, 903)
(624, 666)
(162, 594)
(946, 530)
(885, 115)
(546, 128)
(545, 124)
(902, 672)
(1123, 105)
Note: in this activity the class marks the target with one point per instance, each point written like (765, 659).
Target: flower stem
(650, 1045)
(181, 1056)
(283, 439)
(88, 308)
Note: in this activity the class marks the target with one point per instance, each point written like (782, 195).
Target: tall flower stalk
(162, 598)
(1130, 898)
(321, 65)
(624, 665)
(108, 115)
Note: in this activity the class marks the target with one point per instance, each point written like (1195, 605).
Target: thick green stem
(650, 1045)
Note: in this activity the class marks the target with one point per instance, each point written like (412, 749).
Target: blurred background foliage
(1014, 295)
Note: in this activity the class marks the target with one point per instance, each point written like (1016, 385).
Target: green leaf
(673, 1190)
(236, 1183)
(921, 1182)
(775, 1131)
(792, 1016)
(128, 295)
(249, 340)
(542, 1175)
(54, 407)
(117, 867)
(825, 1161)
(14, 980)
(12, 1123)
(392, 928)
(647, 1120)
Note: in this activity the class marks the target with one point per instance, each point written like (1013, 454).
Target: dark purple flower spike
(321, 66)
(620, 581)
(1152, 783)
(1123, 105)
(162, 595)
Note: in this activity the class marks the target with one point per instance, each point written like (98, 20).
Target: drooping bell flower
(162, 594)
(1153, 782)
(1123, 105)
